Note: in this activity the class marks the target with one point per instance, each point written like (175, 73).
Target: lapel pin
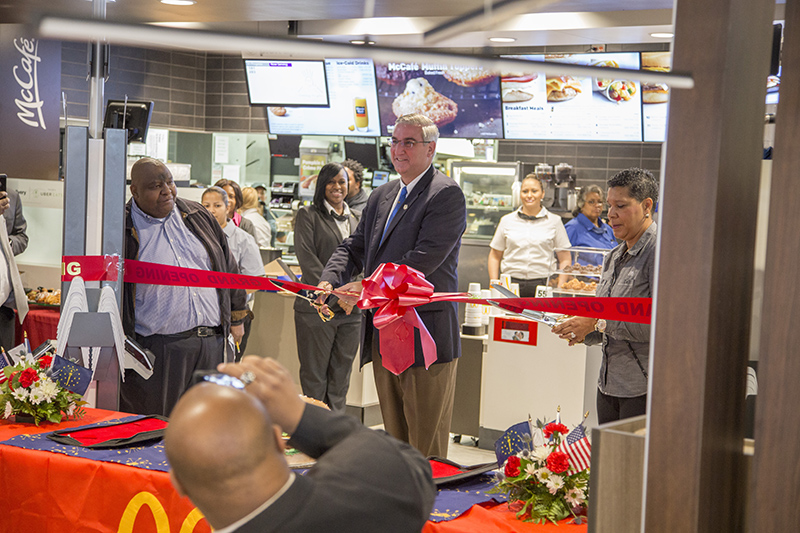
(405, 206)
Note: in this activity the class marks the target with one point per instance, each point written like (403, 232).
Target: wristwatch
(600, 325)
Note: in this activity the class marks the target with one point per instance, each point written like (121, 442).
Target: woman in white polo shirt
(524, 243)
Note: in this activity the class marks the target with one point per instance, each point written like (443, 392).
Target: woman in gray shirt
(628, 271)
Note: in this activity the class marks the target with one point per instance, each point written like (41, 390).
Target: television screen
(285, 145)
(539, 106)
(655, 97)
(365, 151)
(353, 104)
(462, 101)
(131, 116)
(286, 83)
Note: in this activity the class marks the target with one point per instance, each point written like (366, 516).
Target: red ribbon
(396, 290)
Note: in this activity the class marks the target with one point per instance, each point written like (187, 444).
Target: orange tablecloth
(50, 492)
(497, 519)
(41, 323)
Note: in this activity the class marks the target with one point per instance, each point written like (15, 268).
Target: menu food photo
(562, 107)
(462, 101)
(353, 109)
(655, 97)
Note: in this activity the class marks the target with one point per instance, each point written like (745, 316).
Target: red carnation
(558, 462)
(45, 361)
(552, 427)
(27, 377)
(512, 466)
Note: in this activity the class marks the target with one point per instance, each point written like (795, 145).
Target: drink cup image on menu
(360, 114)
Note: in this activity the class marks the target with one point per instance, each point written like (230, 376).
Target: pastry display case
(488, 192)
(581, 276)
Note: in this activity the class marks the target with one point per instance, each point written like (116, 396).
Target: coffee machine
(564, 194)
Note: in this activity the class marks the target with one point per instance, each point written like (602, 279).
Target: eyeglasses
(407, 144)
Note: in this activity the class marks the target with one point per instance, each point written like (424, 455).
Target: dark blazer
(426, 235)
(16, 224)
(364, 480)
(316, 237)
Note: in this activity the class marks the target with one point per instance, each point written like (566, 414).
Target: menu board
(353, 105)
(655, 97)
(462, 101)
(296, 82)
(538, 106)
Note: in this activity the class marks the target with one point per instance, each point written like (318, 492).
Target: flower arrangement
(28, 390)
(548, 478)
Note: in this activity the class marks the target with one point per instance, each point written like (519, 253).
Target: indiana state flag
(515, 439)
(70, 376)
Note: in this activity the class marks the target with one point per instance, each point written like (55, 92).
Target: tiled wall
(594, 162)
(208, 92)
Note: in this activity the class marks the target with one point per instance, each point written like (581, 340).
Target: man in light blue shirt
(185, 327)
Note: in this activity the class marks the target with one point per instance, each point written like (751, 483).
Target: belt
(199, 331)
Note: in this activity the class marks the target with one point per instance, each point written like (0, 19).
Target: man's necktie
(397, 207)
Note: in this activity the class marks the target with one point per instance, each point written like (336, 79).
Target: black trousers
(611, 408)
(177, 358)
(7, 318)
(326, 351)
(527, 287)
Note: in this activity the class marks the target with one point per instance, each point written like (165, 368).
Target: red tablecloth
(43, 491)
(41, 323)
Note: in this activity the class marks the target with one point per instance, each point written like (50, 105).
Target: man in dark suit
(227, 456)
(428, 217)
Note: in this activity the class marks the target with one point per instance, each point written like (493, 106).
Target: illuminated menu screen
(271, 82)
(462, 101)
(537, 106)
(353, 107)
(655, 97)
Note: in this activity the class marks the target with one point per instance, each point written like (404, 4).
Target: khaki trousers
(417, 405)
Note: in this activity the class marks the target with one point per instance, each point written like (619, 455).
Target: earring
(647, 215)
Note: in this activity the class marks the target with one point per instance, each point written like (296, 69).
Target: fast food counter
(526, 370)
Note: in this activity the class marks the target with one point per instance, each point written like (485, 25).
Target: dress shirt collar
(239, 523)
(144, 217)
(541, 214)
(229, 228)
(329, 209)
(584, 221)
(648, 235)
(414, 182)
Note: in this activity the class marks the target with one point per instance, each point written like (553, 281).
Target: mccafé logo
(29, 103)
(72, 268)
(159, 515)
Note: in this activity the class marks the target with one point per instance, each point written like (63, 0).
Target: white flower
(36, 396)
(9, 410)
(554, 482)
(575, 497)
(543, 474)
(20, 394)
(530, 469)
(541, 453)
(48, 388)
(71, 408)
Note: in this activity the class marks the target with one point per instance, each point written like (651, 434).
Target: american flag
(3, 364)
(578, 448)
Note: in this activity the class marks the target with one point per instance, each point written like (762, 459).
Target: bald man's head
(152, 187)
(221, 441)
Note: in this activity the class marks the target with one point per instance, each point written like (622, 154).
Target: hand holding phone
(3, 183)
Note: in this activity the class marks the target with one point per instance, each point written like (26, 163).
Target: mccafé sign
(30, 104)
(29, 101)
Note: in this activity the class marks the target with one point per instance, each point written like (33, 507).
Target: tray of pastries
(44, 297)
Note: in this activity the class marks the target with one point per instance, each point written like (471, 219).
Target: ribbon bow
(395, 290)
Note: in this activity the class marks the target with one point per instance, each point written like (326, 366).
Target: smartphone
(3, 181)
(216, 377)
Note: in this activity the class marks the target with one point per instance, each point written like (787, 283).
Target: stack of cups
(486, 294)
(473, 324)
(495, 311)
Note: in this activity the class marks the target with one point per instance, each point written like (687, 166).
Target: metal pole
(97, 82)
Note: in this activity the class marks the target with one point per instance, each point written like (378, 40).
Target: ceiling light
(361, 41)
(502, 39)
(662, 35)
(179, 2)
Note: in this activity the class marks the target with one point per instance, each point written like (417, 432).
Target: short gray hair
(429, 130)
(640, 183)
(586, 191)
